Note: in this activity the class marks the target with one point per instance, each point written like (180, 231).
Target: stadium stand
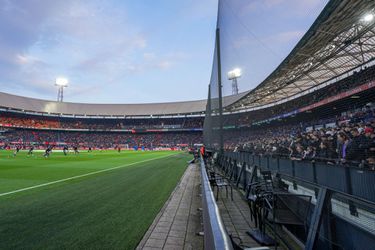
(145, 125)
(37, 122)
(350, 142)
(41, 122)
(99, 140)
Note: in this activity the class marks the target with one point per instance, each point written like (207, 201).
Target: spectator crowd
(37, 122)
(350, 141)
(99, 140)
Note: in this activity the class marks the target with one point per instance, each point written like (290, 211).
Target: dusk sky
(138, 51)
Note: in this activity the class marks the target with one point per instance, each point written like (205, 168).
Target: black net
(212, 132)
(242, 59)
(333, 86)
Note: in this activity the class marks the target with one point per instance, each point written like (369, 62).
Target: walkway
(179, 221)
(236, 217)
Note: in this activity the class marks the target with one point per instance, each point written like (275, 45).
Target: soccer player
(65, 150)
(75, 148)
(31, 151)
(118, 148)
(16, 150)
(47, 152)
(90, 150)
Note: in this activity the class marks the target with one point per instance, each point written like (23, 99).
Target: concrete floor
(179, 221)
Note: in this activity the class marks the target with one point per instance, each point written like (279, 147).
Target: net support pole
(219, 84)
(208, 121)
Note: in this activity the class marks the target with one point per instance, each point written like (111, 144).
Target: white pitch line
(80, 176)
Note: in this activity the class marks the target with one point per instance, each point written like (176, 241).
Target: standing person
(343, 143)
(47, 152)
(16, 150)
(31, 151)
(118, 148)
(354, 151)
(75, 148)
(65, 150)
(90, 150)
(203, 151)
(196, 154)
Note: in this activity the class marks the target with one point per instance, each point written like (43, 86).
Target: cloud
(148, 56)
(42, 39)
(96, 43)
(20, 25)
(286, 37)
(278, 39)
(29, 61)
(198, 9)
(152, 61)
(284, 7)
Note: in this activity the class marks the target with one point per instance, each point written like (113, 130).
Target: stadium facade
(14, 103)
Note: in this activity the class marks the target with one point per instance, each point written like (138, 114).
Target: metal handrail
(215, 234)
(363, 191)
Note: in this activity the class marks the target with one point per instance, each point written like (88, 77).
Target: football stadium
(275, 151)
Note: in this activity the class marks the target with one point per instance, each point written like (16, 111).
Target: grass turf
(107, 210)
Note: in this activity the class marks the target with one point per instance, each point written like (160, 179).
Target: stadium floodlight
(233, 75)
(61, 83)
(368, 17)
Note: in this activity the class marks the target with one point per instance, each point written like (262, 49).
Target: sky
(256, 35)
(141, 51)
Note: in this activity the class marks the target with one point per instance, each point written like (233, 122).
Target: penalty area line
(82, 175)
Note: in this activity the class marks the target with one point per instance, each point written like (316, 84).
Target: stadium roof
(340, 40)
(26, 104)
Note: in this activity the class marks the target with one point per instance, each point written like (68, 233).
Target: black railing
(332, 185)
(352, 181)
(215, 235)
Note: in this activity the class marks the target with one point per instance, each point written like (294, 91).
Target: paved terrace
(179, 221)
(236, 216)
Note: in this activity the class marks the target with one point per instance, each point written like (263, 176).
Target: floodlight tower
(233, 75)
(61, 83)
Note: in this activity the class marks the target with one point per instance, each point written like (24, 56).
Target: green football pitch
(97, 200)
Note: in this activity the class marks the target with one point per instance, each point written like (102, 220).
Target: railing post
(253, 173)
(294, 175)
(235, 170)
(278, 164)
(229, 165)
(349, 190)
(259, 162)
(316, 190)
(242, 171)
(316, 220)
(245, 179)
(225, 165)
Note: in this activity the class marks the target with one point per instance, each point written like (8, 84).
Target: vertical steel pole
(219, 83)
